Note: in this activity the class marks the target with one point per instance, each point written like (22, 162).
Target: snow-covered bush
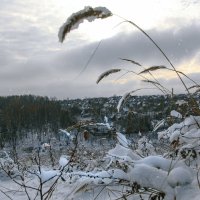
(152, 176)
(184, 138)
(7, 164)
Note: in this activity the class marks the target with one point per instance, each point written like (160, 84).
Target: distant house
(45, 146)
(181, 102)
(99, 130)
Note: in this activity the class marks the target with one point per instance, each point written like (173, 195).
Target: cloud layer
(32, 61)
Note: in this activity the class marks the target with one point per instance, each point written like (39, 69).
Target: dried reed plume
(153, 68)
(132, 61)
(88, 13)
(149, 81)
(124, 98)
(156, 82)
(106, 73)
(157, 85)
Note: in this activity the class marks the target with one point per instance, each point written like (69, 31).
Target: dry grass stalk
(149, 81)
(158, 86)
(132, 61)
(189, 78)
(153, 68)
(88, 13)
(161, 51)
(124, 98)
(155, 82)
(197, 91)
(107, 73)
(194, 86)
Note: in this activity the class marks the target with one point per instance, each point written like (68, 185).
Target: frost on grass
(145, 147)
(186, 132)
(88, 13)
(159, 124)
(106, 122)
(106, 119)
(122, 152)
(122, 139)
(175, 136)
(65, 132)
(122, 100)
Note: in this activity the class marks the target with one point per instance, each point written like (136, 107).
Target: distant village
(138, 113)
(41, 118)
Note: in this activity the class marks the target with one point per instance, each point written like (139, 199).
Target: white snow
(122, 139)
(181, 102)
(174, 173)
(175, 136)
(179, 177)
(139, 133)
(174, 113)
(186, 132)
(45, 145)
(121, 101)
(48, 174)
(157, 162)
(151, 177)
(120, 151)
(65, 132)
(158, 125)
(63, 161)
(104, 12)
(106, 119)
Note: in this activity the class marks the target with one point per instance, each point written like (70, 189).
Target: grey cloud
(180, 44)
(39, 70)
(81, 88)
(176, 84)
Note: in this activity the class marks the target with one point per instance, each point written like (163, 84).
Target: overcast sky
(32, 61)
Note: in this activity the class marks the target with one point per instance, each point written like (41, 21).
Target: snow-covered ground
(125, 171)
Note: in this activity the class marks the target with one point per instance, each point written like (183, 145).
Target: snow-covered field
(125, 171)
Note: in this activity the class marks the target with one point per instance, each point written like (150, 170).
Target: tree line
(20, 115)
